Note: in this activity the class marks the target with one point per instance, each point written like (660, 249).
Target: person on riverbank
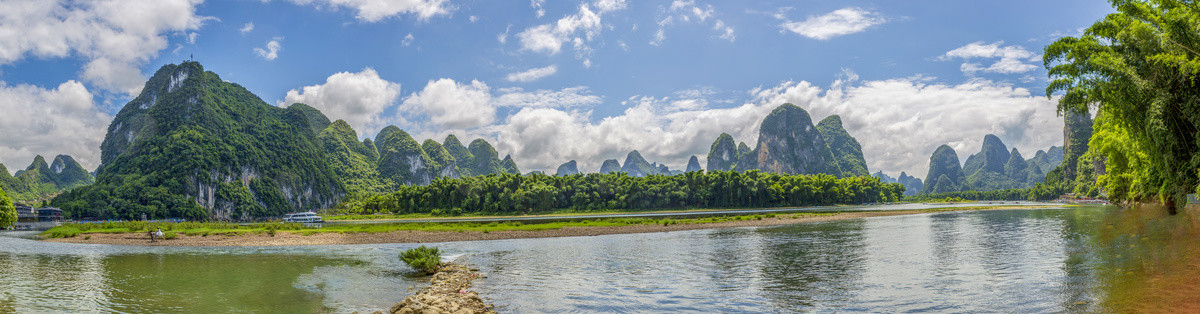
(156, 235)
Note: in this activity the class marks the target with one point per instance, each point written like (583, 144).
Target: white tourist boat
(305, 217)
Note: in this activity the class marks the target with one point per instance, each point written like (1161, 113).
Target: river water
(1032, 260)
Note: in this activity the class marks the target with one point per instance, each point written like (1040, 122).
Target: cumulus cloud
(682, 12)
(532, 74)
(1008, 59)
(113, 37)
(48, 122)
(357, 98)
(376, 10)
(578, 96)
(452, 104)
(837, 23)
(577, 29)
(537, 6)
(271, 51)
(249, 27)
(899, 123)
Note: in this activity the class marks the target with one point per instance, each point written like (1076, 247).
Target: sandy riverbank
(288, 238)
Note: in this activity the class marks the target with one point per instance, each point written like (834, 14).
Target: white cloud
(377, 10)
(112, 36)
(249, 27)
(681, 12)
(837, 23)
(473, 19)
(1009, 59)
(578, 29)
(537, 6)
(532, 74)
(606, 6)
(503, 37)
(48, 122)
(408, 39)
(571, 97)
(272, 50)
(899, 123)
(452, 104)
(357, 98)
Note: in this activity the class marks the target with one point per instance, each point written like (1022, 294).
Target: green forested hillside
(192, 145)
(40, 181)
(847, 153)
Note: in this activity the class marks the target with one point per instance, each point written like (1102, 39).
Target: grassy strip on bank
(232, 229)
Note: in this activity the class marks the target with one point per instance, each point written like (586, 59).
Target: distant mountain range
(195, 146)
(40, 181)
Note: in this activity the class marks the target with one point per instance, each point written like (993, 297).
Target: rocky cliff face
(789, 143)
(945, 173)
(568, 168)
(610, 166)
(847, 153)
(693, 164)
(723, 155)
(352, 161)
(442, 160)
(404, 162)
(1077, 131)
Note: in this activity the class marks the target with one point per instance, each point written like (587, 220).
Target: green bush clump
(422, 258)
(170, 235)
(61, 232)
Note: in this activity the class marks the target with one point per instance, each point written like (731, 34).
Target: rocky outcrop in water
(448, 292)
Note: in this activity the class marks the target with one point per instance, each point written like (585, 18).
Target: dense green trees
(517, 194)
(8, 212)
(1140, 67)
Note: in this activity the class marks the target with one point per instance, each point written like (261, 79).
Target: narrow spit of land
(451, 232)
(448, 292)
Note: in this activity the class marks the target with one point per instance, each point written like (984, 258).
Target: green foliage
(945, 174)
(537, 193)
(8, 212)
(1039, 192)
(403, 161)
(187, 138)
(462, 156)
(1141, 67)
(353, 162)
(422, 258)
(170, 235)
(847, 153)
(61, 232)
(723, 154)
(40, 181)
(637, 166)
(486, 161)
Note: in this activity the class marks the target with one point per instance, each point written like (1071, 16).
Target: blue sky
(552, 81)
